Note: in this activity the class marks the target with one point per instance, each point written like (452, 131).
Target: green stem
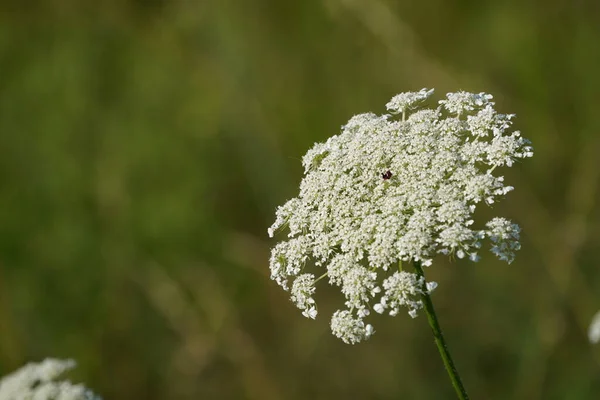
(439, 340)
(321, 277)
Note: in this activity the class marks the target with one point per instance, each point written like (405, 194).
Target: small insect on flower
(386, 175)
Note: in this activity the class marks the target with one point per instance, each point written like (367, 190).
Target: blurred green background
(144, 147)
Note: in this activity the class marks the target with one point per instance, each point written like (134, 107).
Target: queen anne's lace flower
(36, 381)
(388, 190)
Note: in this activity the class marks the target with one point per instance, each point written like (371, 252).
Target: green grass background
(144, 146)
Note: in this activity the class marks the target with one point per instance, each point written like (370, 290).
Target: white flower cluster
(403, 102)
(403, 289)
(302, 291)
(594, 329)
(351, 330)
(36, 382)
(388, 190)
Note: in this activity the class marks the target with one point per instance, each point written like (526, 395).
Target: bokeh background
(144, 147)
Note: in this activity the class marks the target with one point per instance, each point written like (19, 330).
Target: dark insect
(386, 175)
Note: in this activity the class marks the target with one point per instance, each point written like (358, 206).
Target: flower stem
(321, 277)
(439, 340)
